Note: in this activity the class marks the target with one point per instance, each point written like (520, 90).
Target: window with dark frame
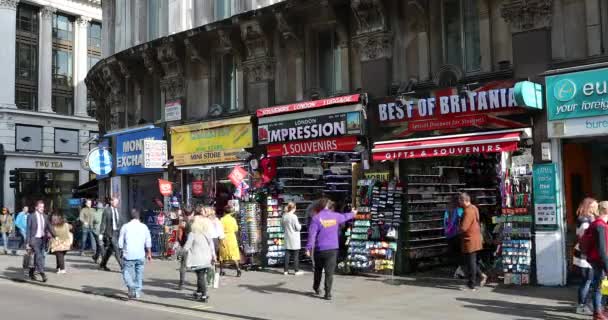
(26, 57)
(225, 75)
(461, 39)
(63, 64)
(326, 60)
(93, 56)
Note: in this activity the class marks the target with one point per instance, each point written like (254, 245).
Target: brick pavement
(271, 295)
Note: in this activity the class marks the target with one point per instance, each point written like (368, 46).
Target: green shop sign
(577, 95)
(545, 196)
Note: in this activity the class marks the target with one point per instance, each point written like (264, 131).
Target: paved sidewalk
(271, 295)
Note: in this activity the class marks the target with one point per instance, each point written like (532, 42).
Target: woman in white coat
(201, 254)
(293, 244)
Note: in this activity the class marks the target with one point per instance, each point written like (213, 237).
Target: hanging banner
(165, 187)
(211, 142)
(544, 178)
(237, 175)
(312, 146)
(350, 99)
(489, 147)
(197, 188)
(324, 126)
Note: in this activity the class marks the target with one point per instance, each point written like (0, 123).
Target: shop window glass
(461, 34)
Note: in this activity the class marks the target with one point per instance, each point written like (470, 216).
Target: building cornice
(9, 4)
(39, 115)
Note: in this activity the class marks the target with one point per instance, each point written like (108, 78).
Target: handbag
(391, 233)
(62, 245)
(604, 287)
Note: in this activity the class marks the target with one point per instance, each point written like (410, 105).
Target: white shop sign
(155, 153)
(578, 127)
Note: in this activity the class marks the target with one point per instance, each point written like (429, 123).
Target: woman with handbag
(62, 243)
(200, 254)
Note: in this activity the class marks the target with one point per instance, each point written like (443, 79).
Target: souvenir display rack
(275, 237)
(514, 225)
(250, 231)
(372, 237)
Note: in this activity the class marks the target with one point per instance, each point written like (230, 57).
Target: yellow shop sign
(211, 142)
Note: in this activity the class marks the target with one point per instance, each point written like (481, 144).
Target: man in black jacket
(38, 230)
(111, 223)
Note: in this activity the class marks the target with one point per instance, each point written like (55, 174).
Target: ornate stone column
(80, 66)
(172, 83)
(375, 44)
(8, 15)
(258, 65)
(45, 60)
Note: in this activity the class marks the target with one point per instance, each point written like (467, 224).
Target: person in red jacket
(598, 258)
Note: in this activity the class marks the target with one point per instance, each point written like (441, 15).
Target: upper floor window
(225, 77)
(62, 67)
(63, 27)
(26, 57)
(94, 36)
(222, 9)
(327, 61)
(27, 18)
(461, 43)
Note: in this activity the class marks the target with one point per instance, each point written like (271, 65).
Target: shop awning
(452, 145)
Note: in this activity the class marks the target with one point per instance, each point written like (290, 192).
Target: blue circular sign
(100, 161)
(564, 90)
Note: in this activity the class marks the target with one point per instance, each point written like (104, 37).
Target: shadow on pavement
(525, 311)
(275, 288)
(446, 284)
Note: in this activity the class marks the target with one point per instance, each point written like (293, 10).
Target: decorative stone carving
(369, 15)
(9, 4)
(374, 46)
(173, 87)
(193, 50)
(125, 69)
(150, 62)
(169, 59)
(260, 69)
(525, 15)
(417, 15)
(255, 39)
(47, 12)
(224, 41)
(83, 21)
(448, 75)
(110, 77)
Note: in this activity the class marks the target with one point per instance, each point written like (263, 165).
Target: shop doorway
(54, 187)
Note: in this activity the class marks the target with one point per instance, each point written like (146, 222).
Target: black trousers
(182, 266)
(111, 248)
(325, 260)
(473, 268)
(296, 259)
(38, 245)
(100, 247)
(201, 281)
(60, 256)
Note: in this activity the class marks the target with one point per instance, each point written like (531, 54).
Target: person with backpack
(586, 214)
(451, 228)
(594, 245)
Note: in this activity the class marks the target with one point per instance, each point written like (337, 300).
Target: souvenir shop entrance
(312, 150)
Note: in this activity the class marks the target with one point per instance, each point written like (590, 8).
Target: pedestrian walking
(7, 226)
(201, 255)
(182, 236)
(229, 249)
(217, 234)
(470, 229)
(293, 244)
(586, 214)
(21, 225)
(98, 217)
(62, 242)
(87, 217)
(136, 245)
(595, 245)
(109, 232)
(451, 228)
(38, 229)
(323, 244)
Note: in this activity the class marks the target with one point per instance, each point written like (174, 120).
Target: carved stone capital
(417, 15)
(150, 62)
(169, 59)
(375, 45)
(260, 69)
(193, 51)
(9, 4)
(83, 21)
(526, 15)
(47, 12)
(370, 15)
(173, 87)
(110, 77)
(224, 41)
(256, 42)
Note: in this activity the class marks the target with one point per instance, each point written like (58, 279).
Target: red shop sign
(447, 151)
(197, 187)
(312, 146)
(350, 99)
(237, 175)
(165, 187)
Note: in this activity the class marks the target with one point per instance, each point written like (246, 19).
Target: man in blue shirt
(21, 225)
(135, 243)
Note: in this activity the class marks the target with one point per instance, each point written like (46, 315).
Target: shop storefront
(431, 146)
(577, 112)
(135, 183)
(310, 151)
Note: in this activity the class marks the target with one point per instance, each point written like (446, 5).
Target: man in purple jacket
(323, 235)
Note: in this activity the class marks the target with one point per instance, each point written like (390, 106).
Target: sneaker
(285, 273)
(459, 274)
(317, 291)
(583, 310)
(484, 280)
(299, 273)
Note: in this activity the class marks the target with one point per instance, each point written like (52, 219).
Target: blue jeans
(598, 275)
(586, 280)
(133, 274)
(86, 234)
(5, 241)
